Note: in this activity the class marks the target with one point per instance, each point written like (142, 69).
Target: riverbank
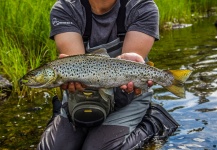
(24, 30)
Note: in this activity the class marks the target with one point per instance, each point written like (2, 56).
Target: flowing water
(192, 48)
(22, 122)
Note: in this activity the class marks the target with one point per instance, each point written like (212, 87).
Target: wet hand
(72, 86)
(129, 88)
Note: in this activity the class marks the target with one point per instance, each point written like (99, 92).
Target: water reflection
(193, 48)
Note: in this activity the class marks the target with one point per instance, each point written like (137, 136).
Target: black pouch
(122, 98)
(163, 123)
(88, 108)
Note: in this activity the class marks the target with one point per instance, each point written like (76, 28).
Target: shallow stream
(194, 47)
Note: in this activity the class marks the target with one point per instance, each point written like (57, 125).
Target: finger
(123, 87)
(71, 87)
(122, 56)
(64, 86)
(137, 91)
(63, 55)
(130, 87)
(78, 86)
(118, 57)
(150, 83)
(131, 56)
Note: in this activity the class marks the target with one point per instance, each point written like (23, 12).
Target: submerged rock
(5, 88)
(180, 26)
(171, 25)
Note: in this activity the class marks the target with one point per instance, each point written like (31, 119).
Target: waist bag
(90, 107)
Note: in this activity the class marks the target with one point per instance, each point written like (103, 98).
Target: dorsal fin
(100, 52)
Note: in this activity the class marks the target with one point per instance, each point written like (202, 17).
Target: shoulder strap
(88, 25)
(120, 19)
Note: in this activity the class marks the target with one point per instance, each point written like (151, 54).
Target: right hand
(130, 86)
(72, 86)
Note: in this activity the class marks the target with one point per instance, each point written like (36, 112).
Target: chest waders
(91, 107)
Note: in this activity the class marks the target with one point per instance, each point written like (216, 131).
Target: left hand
(129, 87)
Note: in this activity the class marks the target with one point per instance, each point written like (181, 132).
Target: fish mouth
(27, 82)
(24, 82)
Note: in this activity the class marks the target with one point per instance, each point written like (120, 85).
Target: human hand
(129, 87)
(72, 86)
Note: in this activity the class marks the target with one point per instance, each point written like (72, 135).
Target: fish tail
(177, 87)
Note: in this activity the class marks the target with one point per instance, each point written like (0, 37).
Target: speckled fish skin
(99, 71)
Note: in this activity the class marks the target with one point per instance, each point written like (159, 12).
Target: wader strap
(65, 107)
(88, 26)
(120, 20)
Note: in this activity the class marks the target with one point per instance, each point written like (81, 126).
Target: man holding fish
(94, 117)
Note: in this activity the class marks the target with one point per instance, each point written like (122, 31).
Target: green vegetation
(24, 37)
(201, 6)
(174, 10)
(24, 32)
(184, 11)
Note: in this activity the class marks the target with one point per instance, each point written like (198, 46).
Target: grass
(24, 32)
(183, 11)
(24, 37)
(174, 10)
(201, 6)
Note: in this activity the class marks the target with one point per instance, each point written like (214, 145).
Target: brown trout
(98, 70)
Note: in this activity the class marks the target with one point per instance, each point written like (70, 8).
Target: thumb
(62, 55)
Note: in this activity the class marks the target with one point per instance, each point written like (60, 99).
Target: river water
(193, 48)
(22, 122)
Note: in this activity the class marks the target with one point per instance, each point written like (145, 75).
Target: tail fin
(180, 76)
